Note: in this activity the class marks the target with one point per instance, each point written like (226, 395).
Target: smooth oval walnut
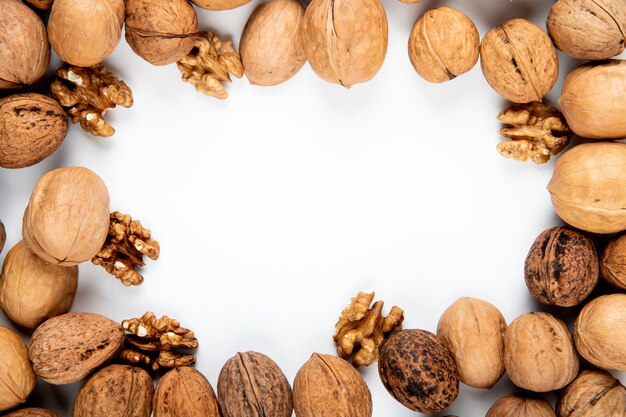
(117, 390)
(67, 348)
(588, 29)
(539, 354)
(519, 61)
(345, 41)
(516, 405)
(473, 331)
(271, 46)
(593, 393)
(561, 267)
(592, 100)
(329, 386)
(613, 263)
(600, 332)
(32, 127)
(161, 31)
(85, 32)
(219, 4)
(17, 378)
(185, 392)
(444, 44)
(252, 385)
(25, 52)
(588, 187)
(67, 218)
(419, 371)
(33, 412)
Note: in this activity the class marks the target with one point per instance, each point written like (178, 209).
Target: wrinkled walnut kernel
(208, 64)
(87, 93)
(361, 329)
(124, 248)
(153, 341)
(538, 131)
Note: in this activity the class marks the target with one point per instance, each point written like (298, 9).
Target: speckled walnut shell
(161, 31)
(593, 394)
(252, 385)
(593, 100)
(345, 41)
(562, 267)
(599, 332)
(519, 61)
(613, 263)
(588, 187)
(67, 348)
(271, 46)
(588, 29)
(443, 44)
(33, 412)
(329, 386)
(516, 405)
(419, 371)
(25, 52)
(185, 392)
(539, 354)
(219, 4)
(84, 32)
(17, 379)
(32, 127)
(117, 390)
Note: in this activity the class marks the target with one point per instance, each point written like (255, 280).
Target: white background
(276, 206)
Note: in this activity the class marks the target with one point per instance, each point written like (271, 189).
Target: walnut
(153, 341)
(219, 4)
(17, 378)
(87, 93)
(3, 236)
(123, 250)
(208, 65)
(517, 405)
(613, 263)
(184, 392)
(32, 412)
(41, 4)
(538, 131)
(361, 329)
(593, 393)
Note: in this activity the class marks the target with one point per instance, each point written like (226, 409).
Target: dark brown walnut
(3, 236)
(588, 29)
(33, 412)
(65, 349)
(126, 244)
(519, 61)
(252, 385)
(561, 267)
(25, 51)
(329, 386)
(32, 127)
(593, 393)
(161, 31)
(517, 405)
(613, 263)
(184, 392)
(419, 371)
(117, 390)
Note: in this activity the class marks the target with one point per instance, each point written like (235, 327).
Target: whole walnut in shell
(600, 332)
(419, 371)
(25, 52)
(345, 41)
(161, 31)
(117, 390)
(31, 290)
(613, 263)
(329, 386)
(67, 218)
(443, 44)
(588, 187)
(17, 378)
(588, 29)
(3, 236)
(32, 127)
(252, 385)
(593, 394)
(473, 331)
(219, 4)
(271, 46)
(32, 412)
(539, 354)
(593, 100)
(185, 392)
(515, 405)
(561, 267)
(84, 32)
(519, 61)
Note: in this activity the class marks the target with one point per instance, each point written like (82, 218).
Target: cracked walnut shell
(519, 61)
(17, 379)
(516, 405)
(593, 393)
(613, 262)
(185, 392)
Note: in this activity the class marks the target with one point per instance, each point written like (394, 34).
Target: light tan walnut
(209, 63)
(538, 131)
(593, 393)
(516, 405)
(361, 330)
(87, 93)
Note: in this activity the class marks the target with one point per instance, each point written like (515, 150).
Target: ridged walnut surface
(33, 412)
(184, 392)
(17, 379)
(516, 405)
(593, 394)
